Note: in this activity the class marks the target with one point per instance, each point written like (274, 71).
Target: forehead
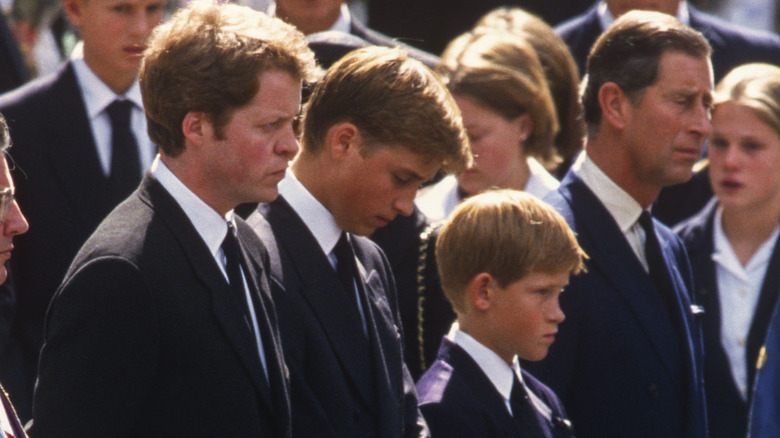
(681, 71)
(5, 174)
(402, 158)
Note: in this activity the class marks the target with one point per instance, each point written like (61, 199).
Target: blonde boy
(504, 257)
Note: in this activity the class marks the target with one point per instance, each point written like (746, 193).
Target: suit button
(653, 390)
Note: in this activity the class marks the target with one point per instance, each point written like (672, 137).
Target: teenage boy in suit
(504, 258)
(164, 325)
(377, 126)
(71, 173)
(627, 361)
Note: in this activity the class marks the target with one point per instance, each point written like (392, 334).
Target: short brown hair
(502, 72)
(394, 100)
(755, 86)
(209, 57)
(561, 71)
(507, 234)
(628, 54)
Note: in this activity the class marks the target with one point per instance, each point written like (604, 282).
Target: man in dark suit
(12, 224)
(164, 325)
(377, 126)
(627, 360)
(71, 173)
(334, 15)
(731, 45)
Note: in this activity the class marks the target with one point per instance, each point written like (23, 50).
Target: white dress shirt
(497, 371)
(438, 201)
(620, 205)
(97, 97)
(738, 290)
(318, 220)
(212, 228)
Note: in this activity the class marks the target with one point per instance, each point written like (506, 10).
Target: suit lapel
(479, 384)
(603, 240)
(320, 287)
(226, 307)
(770, 288)
(72, 152)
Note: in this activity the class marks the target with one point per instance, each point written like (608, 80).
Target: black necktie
(125, 166)
(233, 269)
(657, 266)
(347, 272)
(523, 411)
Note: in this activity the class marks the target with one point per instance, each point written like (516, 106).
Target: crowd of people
(280, 222)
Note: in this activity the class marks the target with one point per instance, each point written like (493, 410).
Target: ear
(480, 291)
(340, 138)
(73, 10)
(614, 105)
(194, 126)
(525, 126)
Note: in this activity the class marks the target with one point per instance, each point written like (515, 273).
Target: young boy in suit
(504, 257)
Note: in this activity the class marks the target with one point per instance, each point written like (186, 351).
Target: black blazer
(64, 194)
(145, 337)
(459, 400)
(10, 412)
(727, 411)
(731, 45)
(618, 363)
(341, 385)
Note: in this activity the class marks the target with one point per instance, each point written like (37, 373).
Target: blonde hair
(507, 234)
(502, 72)
(394, 100)
(209, 57)
(560, 70)
(755, 86)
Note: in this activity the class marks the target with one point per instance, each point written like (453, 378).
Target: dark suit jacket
(10, 412)
(146, 338)
(618, 364)
(330, 46)
(64, 194)
(731, 45)
(459, 400)
(727, 411)
(764, 418)
(341, 385)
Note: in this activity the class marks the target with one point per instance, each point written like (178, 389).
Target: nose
(15, 223)
(701, 122)
(556, 314)
(287, 146)
(731, 157)
(404, 204)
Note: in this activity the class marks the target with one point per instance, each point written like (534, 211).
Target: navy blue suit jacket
(765, 408)
(342, 385)
(618, 364)
(727, 411)
(64, 194)
(459, 400)
(146, 338)
(731, 45)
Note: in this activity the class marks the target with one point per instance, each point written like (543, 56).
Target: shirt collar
(498, 372)
(342, 24)
(723, 253)
(208, 223)
(97, 95)
(315, 216)
(620, 204)
(606, 18)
